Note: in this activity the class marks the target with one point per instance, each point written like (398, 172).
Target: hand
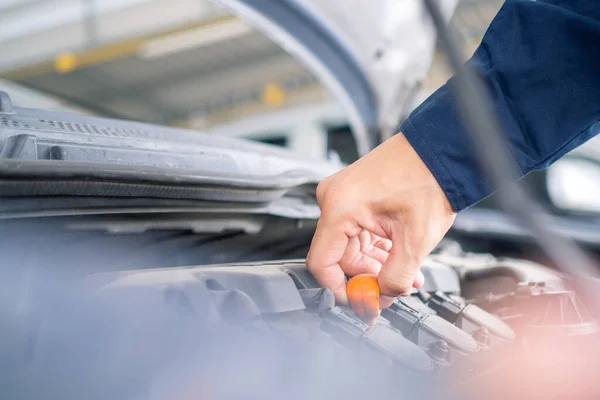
(381, 215)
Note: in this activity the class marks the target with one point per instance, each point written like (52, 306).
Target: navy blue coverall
(541, 63)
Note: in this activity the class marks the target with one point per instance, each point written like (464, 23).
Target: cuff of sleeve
(438, 136)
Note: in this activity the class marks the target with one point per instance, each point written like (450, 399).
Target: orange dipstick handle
(363, 293)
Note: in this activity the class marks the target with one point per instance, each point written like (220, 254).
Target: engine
(267, 330)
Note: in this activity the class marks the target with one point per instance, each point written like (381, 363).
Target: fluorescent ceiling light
(195, 38)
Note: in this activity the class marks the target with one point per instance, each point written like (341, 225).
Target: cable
(492, 151)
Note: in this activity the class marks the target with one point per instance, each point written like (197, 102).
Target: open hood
(372, 54)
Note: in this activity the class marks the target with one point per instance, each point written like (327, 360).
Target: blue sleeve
(540, 61)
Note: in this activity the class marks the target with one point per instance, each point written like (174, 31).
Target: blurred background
(192, 64)
(184, 63)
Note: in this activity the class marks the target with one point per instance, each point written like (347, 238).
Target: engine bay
(267, 330)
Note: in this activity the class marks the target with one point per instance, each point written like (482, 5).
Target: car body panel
(373, 55)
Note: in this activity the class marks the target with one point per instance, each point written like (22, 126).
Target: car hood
(372, 54)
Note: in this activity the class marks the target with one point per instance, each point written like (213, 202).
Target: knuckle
(310, 261)
(321, 192)
(311, 266)
(395, 286)
(330, 192)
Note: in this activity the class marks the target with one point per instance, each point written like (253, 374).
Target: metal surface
(372, 55)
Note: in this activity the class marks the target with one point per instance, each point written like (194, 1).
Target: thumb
(398, 274)
(326, 250)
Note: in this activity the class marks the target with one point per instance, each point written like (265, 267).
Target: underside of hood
(372, 54)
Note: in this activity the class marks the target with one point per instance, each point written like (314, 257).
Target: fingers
(361, 257)
(374, 246)
(327, 249)
(334, 254)
(386, 301)
(419, 280)
(378, 255)
(355, 262)
(399, 273)
(381, 243)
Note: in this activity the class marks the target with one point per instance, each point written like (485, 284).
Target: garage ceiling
(205, 69)
(157, 81)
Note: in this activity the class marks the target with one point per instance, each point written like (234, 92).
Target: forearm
(541, 64)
